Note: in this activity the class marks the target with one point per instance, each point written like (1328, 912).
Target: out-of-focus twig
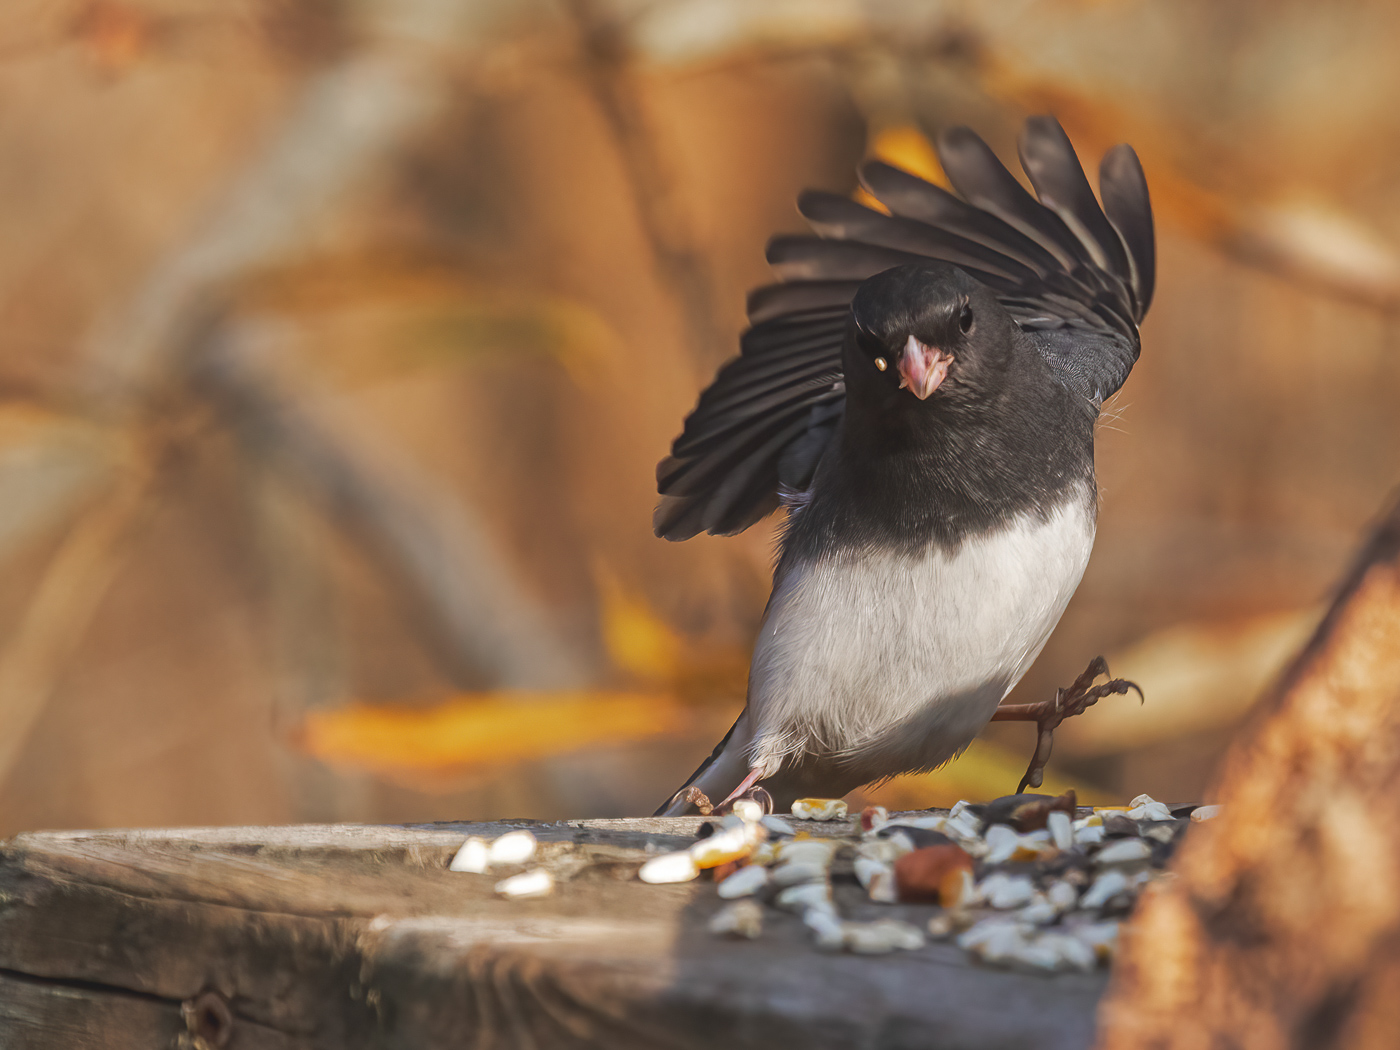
(655, 193)
(473, 613)
(1276, 226)
(347, 120)
(73, 586)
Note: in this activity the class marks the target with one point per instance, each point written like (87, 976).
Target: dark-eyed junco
(920, 391)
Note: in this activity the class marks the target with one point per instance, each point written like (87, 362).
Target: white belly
(895, 662)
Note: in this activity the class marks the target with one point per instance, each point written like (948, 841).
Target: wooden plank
(359, 936)
(38, 1015)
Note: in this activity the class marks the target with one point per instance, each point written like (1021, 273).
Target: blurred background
(339, 340)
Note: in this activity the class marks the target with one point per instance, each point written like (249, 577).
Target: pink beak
(922, 368)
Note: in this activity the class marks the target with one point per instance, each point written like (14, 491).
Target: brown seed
(1027, 812)
(872, 817)
(1033, 815)
(723, 871)
(931, 873)
(1117, 826)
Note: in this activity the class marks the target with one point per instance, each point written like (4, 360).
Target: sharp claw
(762, 797)
(1074, 700)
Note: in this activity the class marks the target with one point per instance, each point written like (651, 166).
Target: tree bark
(1282, 928)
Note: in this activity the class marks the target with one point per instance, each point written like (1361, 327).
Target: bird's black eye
(965, 319)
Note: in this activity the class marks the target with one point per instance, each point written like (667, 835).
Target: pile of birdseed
(1032, 882)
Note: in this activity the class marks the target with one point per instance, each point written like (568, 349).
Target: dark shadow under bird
(920, 390)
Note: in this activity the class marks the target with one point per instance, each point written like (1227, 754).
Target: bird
(919, 390)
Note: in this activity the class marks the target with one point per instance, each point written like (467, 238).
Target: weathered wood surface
(1281, 930)
(358, 936)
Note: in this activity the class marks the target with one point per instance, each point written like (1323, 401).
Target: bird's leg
(1048, 714)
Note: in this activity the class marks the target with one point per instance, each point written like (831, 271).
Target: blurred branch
(51, 465)
(346, 122)
(308, 646)
(1300, 236)
(472, 612)
(73, 586)
(664, 218)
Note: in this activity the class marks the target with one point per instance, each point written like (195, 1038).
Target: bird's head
(929, 331)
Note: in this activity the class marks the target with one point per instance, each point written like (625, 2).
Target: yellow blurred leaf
(643, 645)
(367, 318)
(908, 148)
(636, 639)
(985, 771)
(905, 147)
(432, 747)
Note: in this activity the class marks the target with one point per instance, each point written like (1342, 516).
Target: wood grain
(358, 936)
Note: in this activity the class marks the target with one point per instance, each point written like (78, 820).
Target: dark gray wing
(1076, 276)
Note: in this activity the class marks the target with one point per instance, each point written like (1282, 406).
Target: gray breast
(894, 661)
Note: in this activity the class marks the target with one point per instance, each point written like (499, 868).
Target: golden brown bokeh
(340, 342)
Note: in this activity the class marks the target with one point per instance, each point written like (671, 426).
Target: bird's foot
(761, 796)
(695, 797)
(1048, 714)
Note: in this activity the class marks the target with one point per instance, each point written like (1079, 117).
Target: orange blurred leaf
(431, 747)
(984, 771)
(116, 35)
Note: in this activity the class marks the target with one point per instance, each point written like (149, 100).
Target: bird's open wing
(1076, 276)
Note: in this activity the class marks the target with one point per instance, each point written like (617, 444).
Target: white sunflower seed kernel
(514, 847)
(883, 888)
(740, 919)
(1105, 888)
(1007, 891)
(819, 809)
(1002, 841)
(867, 867)
(669, 867)
(474, 857)
(1159, 832)
(804, 851)
(1061, 829)
(747, 810)
(886, 850)
(1088, 836)
(826, 927)
(794, 873)
(882, 936)
(746, 881)
(536, 883)
(733, 843)
(807, 895)
(1101, 937)
(777, 826)
(1125, 851)
(1039, 911)
(1062, 895)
